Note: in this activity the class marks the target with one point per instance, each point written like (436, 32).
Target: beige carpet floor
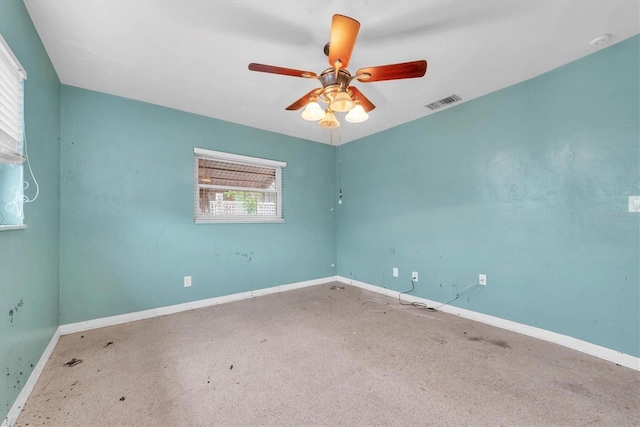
(314, 357)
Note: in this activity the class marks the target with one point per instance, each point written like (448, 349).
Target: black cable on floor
(416, 304)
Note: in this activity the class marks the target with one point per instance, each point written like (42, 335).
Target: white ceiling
(193, 55)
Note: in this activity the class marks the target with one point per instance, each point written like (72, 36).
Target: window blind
(12, 76)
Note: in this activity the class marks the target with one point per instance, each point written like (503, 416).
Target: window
(234, 188)
(12, 76)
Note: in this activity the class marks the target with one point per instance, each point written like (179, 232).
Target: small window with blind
(12, 76)
(234, 188)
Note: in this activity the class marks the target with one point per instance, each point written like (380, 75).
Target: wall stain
(14, 311)
(248, 256)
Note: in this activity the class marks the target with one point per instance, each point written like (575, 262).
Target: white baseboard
(15, 410)
(71, 328)
(543, 334)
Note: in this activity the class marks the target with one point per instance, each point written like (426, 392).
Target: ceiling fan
(336, 91)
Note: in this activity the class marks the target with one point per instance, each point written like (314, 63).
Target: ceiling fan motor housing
(333, 82)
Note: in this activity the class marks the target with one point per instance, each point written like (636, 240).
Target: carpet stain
(73, 362)
(499, 343)
(108, 344)
(575, 388)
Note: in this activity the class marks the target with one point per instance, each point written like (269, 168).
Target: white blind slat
(11, 106)
(8, 79)
(9, 141)
(7, 57)
(11, 95)
(12, 121)
(9, 154)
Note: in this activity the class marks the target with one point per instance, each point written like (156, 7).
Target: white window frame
(12, 75)
(201, 153)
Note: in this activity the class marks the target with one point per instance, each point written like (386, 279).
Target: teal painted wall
(528, 185)
(127, 231)
(29, 275)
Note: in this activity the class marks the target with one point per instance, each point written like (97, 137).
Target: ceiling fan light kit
(329, 121)
(313, 112)
(342, 103)
(336, 91)
(357, 115)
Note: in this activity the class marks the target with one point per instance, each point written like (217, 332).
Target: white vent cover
(444, 102)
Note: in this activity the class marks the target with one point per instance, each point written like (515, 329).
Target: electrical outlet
(395, 271)
(482, 279)
(187, 281)
(414, 276)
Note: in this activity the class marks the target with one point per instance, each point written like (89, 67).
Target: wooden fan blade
(357, 96)
(344, 31)
(280, 70)
(405, 70)
(304, 100)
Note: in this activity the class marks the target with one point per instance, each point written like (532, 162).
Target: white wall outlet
(187, 281)
(414, 276)
(395, 271)
(482, 279)
(333, 265)
(634, 203)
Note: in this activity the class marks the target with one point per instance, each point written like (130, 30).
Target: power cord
(26, 154)
(16, 205)
(415, 304)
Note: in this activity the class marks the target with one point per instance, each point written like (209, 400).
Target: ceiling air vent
(443, 102)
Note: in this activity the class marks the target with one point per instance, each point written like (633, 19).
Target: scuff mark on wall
(14, 311)
(248, 256)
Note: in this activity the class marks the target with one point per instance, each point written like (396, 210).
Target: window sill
(12, 227)
(238, 221)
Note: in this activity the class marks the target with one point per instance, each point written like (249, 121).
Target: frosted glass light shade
(313, 112)
(357, 115)
(329, 121)
(342, 103)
